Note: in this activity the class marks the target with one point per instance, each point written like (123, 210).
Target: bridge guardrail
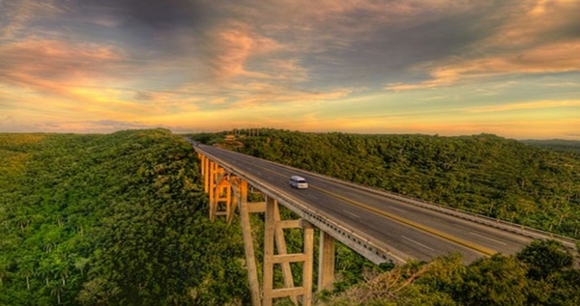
(371, 248)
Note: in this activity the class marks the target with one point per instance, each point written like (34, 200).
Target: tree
(498, 280)
(544, 258)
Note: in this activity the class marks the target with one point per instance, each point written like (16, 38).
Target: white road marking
(395, 208)
(348, 212)
(311, 196)
(418, 243)
(484, 237)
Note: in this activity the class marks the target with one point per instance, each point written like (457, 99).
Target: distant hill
(556, 144)
(484, 173)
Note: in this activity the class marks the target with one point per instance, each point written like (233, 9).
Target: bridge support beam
(326, 262)
(273, 236)
(206, 173)
(242, 196)
(226, 192)
(219, 184)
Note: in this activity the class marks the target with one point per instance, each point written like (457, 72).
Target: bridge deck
(409, 230)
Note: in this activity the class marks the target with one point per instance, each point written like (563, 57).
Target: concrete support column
(326, 262)
(308, 262)
(212, 190)
(207, 175)
(274, 237)
(282, 250)
(248, 243)
(226, 191)
(268, 276)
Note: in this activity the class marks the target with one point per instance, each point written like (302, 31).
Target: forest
(556, 144)
(113, 219)
(121, 219)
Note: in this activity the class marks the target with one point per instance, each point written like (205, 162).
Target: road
(414, 231)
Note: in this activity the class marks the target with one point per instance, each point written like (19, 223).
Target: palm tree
(27, 273)
(57, 288)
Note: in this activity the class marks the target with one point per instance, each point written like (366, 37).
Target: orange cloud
(523, 44)
(264, 94)
(549, 58)
(234, 45)
(47, 64)
(525, 105)
(17, 14)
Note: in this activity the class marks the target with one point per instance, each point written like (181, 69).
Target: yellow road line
(414, 224)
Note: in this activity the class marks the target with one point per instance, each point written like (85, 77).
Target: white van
(298, 182)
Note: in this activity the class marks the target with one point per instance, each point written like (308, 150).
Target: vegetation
(556, 144)
(541, 274)
(121, 219)
(484, 173)
(114, 219)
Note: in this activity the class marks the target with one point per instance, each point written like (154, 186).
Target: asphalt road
(414, 231)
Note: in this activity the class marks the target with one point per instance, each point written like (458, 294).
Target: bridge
(379, 225)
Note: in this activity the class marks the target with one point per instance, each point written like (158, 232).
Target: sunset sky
(446, 67)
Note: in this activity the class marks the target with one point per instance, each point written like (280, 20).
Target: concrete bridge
(381, 226)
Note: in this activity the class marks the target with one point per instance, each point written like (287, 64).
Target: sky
(447, 67)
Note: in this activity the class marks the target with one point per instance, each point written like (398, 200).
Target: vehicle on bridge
(298, 182)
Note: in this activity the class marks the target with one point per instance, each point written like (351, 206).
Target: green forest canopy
(115, 219)
(121, 219)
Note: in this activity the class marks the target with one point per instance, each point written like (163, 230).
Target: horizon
(362, 67)
(299, 131)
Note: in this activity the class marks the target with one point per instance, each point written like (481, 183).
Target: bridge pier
(244, 207)
(228, 192)
(326, 261)
(273, 234)
(218, 184)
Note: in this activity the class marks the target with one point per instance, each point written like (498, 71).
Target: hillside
(115, 219)
(541, 274)
(484, 173)
(556, 144)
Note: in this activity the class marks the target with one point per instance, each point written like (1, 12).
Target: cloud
(232, 45)
(41, 61)
(265, 94)
(15, 15)
(525, 105)
(550, 58)
(143, 96)
(181, 61)
(7, 120)
(528, 41)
